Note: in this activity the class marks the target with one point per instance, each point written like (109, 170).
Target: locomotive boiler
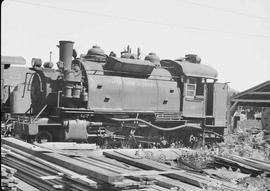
(103, 98)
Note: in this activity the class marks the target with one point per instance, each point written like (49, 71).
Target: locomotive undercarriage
(118, 131)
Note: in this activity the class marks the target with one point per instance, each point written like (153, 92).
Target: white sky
(232, 36)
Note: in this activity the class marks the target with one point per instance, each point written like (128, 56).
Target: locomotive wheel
(43, 137)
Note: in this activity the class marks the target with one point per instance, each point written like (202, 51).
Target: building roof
(189, 69)
(256, 96)
(18, 60)
(15, 75)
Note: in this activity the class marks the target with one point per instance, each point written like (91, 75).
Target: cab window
(200, 87)
(195, 87)
(191, 87)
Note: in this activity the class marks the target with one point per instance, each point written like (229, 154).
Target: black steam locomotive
(105, 99)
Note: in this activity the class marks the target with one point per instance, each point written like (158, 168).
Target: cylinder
(84, 95)
(65, 53)
(68, 91)
(76, 129)
(76, 91)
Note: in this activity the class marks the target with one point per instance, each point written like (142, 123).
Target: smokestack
(65, 53)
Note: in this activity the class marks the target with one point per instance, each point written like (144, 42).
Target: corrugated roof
(257, 95)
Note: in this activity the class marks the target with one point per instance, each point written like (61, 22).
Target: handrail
(25, 79)
(96, 70)
(45, 106)
(30, 81)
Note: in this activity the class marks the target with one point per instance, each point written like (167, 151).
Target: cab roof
(189, 69)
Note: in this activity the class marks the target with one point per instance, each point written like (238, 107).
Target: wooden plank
(125, 183)
(141, 163)
(33, 182)
(75, 187)
(72, 185)
(67, 162)
(213, 182)
(28, 169)
(234, 163)
(112, 168)
(155, 172)
(29, 175)
(265, 162)
(20, 166)
(152, 165)
(102, 165)
(9, 169)
(172, 184)
(259, 93)
(219, 164)
(67, 146)
(113, 162)
(82, 167)
(249, 162)
(50, 177)
(176, 174)
(4, 150)
(191, 180)
(33, 163)
(146, 173)
(68, 174)
(159, 188)
(227, 175)
(23, 186)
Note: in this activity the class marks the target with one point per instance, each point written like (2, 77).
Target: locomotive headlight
(36, 62)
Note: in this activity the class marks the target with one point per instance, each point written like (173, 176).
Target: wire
(142, 21)
(225, 10)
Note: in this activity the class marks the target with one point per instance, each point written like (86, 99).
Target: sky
(232, 36)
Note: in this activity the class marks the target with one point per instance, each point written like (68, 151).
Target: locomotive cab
(203, 99)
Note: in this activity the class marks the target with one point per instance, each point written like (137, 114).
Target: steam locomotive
(106, 99)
